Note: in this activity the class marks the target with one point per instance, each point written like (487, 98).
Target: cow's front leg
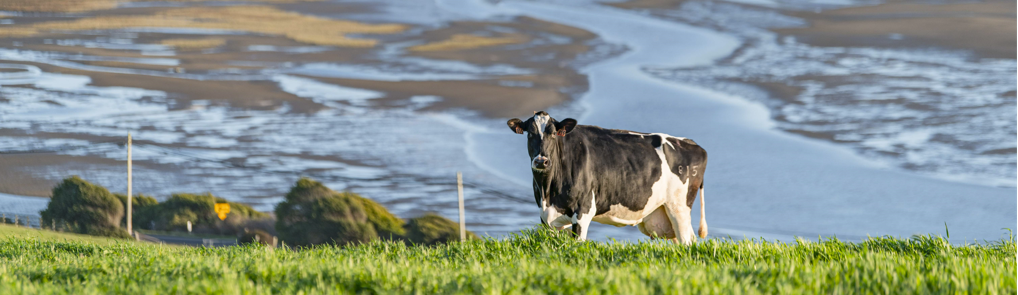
(581, 226)
(582, 217)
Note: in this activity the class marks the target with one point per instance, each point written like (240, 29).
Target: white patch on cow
(551, 216)
(560, 221)
(542, 122)
(619, 215)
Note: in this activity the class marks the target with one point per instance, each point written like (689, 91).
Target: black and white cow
(587, 173)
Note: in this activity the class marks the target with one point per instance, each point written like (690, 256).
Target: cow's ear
(516, 125)
(565, 126)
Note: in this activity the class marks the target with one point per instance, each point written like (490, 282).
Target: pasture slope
(534, 261)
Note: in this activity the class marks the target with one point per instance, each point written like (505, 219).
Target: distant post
(463, 222)
(130, 199)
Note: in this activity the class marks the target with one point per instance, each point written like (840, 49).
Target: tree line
(311, 214)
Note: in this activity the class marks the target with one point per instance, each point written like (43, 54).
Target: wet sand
(490, 99)
(19, 177)
(987, 28)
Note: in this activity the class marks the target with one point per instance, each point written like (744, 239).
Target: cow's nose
(541, 162)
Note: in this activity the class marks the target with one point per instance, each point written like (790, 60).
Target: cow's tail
(703, 217)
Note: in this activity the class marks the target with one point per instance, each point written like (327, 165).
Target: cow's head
(544, 135)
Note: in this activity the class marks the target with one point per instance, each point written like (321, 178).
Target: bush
(142, 211)
(199, 209)
(314, 214)
(176, 211)
(85, 208)
(432, 229)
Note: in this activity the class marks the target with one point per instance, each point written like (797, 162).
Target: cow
(585, 173)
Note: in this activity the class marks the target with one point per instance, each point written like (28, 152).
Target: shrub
(432, 229)
(142, 211)
(386, 224)
(199, 209)
(85, 208)
(314, 214)
(175, 212)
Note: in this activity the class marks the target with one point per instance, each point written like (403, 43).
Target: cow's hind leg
(678, 214)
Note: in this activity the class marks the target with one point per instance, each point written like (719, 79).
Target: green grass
(10, 232)
(535, 261)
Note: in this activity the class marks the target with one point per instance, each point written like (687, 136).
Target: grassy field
(532, 262)
(10, 233)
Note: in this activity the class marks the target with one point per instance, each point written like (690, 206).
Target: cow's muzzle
(540, 163)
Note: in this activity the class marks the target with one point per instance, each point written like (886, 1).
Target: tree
(85, 208)
(314, 214)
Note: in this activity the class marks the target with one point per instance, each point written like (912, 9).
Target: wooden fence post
(130, 203)
(463, 222)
